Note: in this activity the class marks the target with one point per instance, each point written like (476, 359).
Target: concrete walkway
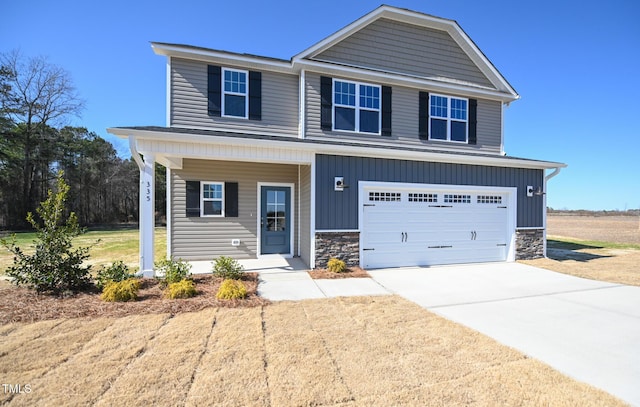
(589, 330)
(287, 279)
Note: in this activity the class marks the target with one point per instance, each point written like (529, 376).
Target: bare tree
(36, 95)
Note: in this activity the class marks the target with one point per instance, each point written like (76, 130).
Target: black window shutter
(473, 121)
(214, 87)
(326, 85)
(423, 115)
(255, 95)
(193, 199)
(231, 199)
(386, 111)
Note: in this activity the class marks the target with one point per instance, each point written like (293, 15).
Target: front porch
(241, 197)
(266, 265)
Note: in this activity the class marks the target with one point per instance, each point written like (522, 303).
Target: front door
(275, 222)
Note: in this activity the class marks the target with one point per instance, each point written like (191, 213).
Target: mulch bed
(19, 304)
(351, 272)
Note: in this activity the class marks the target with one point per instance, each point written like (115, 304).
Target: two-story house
(381, 144)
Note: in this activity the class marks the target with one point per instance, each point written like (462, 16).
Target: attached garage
(425, 224)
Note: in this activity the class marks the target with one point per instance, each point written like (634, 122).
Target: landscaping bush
(173, 271)
(336, 265)
(55, 266)
(227, 268)
(117, 271)
(182, 289)
(231, 290)
(119, 291)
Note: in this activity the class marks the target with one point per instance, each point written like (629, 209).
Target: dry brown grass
(583, 257)
(618, 229)
(611, 265)
(357, 351)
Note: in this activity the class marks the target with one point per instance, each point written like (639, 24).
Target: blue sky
(575, 64)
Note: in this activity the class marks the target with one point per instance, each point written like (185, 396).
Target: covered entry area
(425, 224)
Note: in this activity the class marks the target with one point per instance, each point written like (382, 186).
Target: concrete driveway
(589, 330)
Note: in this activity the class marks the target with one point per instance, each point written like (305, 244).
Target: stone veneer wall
(341, 245)
(529, 244)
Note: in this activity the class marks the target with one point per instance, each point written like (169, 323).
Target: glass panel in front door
(276, 211)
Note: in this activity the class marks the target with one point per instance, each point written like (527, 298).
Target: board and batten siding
(339, 210)
(405, 122)
(189, 105)
(203, 238)
(394, 46)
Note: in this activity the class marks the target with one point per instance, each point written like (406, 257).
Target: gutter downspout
(134, 153)
(544, 208)
(302, 103)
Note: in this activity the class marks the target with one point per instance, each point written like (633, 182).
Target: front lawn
(115, 244)
(359, 351)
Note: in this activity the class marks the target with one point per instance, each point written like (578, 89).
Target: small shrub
(55, 266)
(173, 271)
(117, 271)
(231, 290)
(126, 290)
(182, 289)
(336, 265)
(227, 268)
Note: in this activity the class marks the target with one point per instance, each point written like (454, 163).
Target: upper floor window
(356, 107)
(448, 118)
(235, 95)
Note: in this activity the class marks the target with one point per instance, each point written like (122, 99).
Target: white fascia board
(341, 149)
(221, 57)
(406, 80)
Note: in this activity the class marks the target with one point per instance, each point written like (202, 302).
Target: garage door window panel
(385, 197)
(456, 198)
(420, 197)
(489, 199)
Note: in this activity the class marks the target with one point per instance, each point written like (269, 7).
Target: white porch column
(147, 215)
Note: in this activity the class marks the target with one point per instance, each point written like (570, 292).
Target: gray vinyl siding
(203, 238)
(189, 105)
(404, 48)
(404, 119)
(305, 213)
(339, 210)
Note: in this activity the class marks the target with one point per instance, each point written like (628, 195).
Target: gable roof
(496, 86)
(451, 27)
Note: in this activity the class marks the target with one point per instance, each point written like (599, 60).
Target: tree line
(36, 100)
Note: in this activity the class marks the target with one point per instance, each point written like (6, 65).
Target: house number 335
(148, 192)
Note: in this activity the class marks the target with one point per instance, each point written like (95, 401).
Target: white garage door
(422, 225)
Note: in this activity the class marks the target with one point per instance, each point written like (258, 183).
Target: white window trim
(449, 119)
(203, 199)
(357, 107)
(246, 94)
